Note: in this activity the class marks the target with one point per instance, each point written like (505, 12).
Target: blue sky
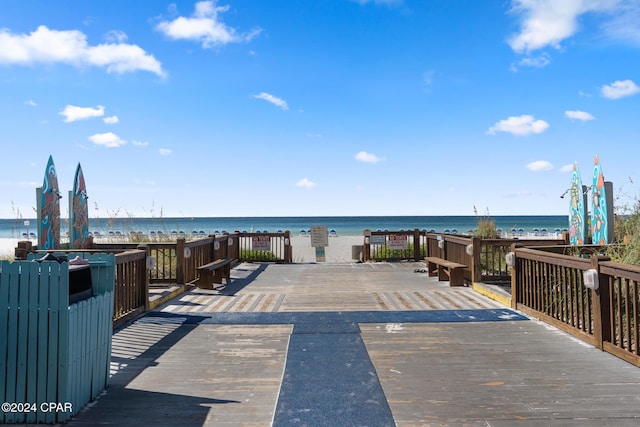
(318, 107)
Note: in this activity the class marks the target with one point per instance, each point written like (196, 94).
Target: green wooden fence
(54, 356)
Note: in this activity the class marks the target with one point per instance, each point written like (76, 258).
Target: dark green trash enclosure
(55, 335)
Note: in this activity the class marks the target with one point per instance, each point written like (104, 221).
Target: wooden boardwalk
(355, 344)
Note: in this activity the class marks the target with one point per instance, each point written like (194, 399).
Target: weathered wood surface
(310, 287)
(182, 369)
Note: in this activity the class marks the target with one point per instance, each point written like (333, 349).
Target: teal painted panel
(63, 339)
(54, 328)
(71, 372)
(32, 355)
(43, 338)
(21, 347)
(50, 351)
(12, 338)
(5, 266)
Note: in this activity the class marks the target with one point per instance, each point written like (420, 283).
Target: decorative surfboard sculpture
(577, 226)
(600, 218)
(49, 209)
(79, 229)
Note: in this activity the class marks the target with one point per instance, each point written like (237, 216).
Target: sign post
(320, 240)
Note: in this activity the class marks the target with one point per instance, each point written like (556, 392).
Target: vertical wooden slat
(12, 339)
(43, 341)
(636, 319)
(5, 274)
(22, 343)
(72, 374)
(63, 339)
(53, 271)
(32, 355)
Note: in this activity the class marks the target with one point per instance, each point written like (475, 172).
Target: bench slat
(213, 273)
(450, 269)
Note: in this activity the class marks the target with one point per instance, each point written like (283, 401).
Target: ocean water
(343, 225)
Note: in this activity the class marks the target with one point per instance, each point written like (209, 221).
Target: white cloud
(111, 120)
(548, 22)
(567, 168)
(31, 103)
(139, 143)
(305, 183)
(519, 126)
(70, 47)
(116, 36)
(539, 165)
(538, 61)
(165, 151)
(625, 23)
(579, 115)
(272, 99)
(365, 157)
(619, 89)
(109, 140)
(205, 26)
(72, 113)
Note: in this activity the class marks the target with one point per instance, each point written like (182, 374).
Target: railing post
(442, 253)
(514, 278)
(180, 260)
(476, 270)
(601, 298)
(366, 247)
(416, 245)
(288, 250)
(143, 276)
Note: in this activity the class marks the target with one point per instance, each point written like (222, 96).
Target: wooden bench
(214, 272)
(446, 270)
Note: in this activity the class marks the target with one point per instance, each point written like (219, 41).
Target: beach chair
(454, 231)
(33, 235)
(543, 232)
(333, 233)
(303, 233)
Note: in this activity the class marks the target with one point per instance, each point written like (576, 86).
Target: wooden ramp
(355, 344)
(329, 287)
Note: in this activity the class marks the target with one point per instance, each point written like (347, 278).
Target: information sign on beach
(319, 236)
(261, 243)
(398, 241)
(378, 239)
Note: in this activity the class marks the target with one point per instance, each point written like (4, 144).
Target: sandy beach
(339, 249)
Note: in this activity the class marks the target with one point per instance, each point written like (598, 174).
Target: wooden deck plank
(465, 373)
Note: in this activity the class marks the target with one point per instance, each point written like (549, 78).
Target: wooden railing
(131, 293)
(265, 247)
(378, 245)
(551, 287)
(621, 319)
